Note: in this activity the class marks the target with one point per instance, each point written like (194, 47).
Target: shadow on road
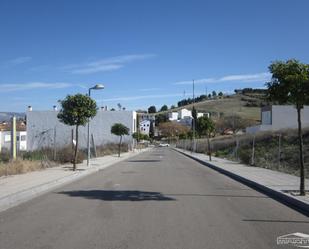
(277, 221)
(118, 195)
(220, 195)
(143, 161)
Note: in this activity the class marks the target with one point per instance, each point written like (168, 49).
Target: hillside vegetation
(247, 106)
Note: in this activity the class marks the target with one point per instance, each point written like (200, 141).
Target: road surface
(158, 199)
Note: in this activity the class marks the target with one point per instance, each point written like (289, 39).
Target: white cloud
(259, 77)
(149, 89)
(138, 97)
(32, 86)
(19, 60)
(107, 64)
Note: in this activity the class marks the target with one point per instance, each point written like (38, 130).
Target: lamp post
(96, 87)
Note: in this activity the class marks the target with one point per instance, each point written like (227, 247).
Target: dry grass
(20, 167)
(266, 149)
(111, 148)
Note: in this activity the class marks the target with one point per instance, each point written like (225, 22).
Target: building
(144, 127)
(45, 130)
(277, 117)
(173, 116)
(21, 140)
(184, 113)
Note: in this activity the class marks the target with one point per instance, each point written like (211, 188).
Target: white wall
(184, 113)
(5, 140)
(144, 127)
(280, 117)
(172, 116)
(286, 117)
(41, 126)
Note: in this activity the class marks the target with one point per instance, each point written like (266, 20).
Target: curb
(25, 195)
(282, 197)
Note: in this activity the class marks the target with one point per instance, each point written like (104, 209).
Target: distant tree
(151, 130)
(220, 94)
(123, 108)
(119, 106)
(140, 136)
(152, 109)
(77, 110)
(173, 107)
(209, 96)
(194, 116)
(290, 84)
(205, 127)
(164, 108)
(113, 109)
(120, 130)
(161, 118)
(214, 93)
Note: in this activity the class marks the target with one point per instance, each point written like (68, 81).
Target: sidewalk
(271, 182)
(16, 189)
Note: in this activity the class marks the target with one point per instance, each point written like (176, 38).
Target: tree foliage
(77, 110)
(205, 127)
(164, 108)
(152, 109)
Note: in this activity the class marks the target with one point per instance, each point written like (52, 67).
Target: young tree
(77, 110)
(194, 116)
(290, 84)
(120, 130)
(205, 126)
(152, 109)
(151, 129)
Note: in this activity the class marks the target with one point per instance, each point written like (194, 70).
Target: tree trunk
(208, 145)
(76, 150)
(301, 156)
(119, 147)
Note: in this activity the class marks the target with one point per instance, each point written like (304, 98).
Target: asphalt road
(158, 199)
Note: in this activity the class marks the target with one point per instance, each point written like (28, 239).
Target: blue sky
(144, 52)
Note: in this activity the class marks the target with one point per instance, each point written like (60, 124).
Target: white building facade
(277, 117)
(21, 140)
(45, 130)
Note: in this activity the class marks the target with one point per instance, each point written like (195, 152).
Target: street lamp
(96, 87)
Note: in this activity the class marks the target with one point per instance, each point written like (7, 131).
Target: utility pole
(13, 138)
(193, 120)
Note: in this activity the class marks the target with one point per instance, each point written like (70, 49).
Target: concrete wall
(279, 117)
(43, 126)
(286, 117)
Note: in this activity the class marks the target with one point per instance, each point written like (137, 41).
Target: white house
(144, 127)
(44, 129)
(278, 117)
(173, 116)
(184, 113)
(21, 140)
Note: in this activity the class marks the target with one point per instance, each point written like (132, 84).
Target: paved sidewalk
(273, 182)
(16, 189)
